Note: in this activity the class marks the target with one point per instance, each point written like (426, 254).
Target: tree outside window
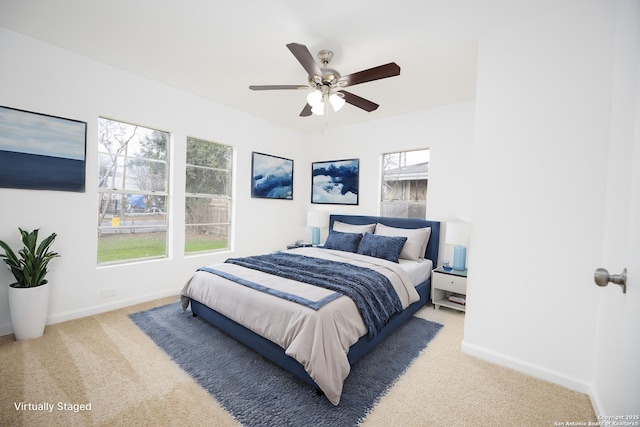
(208, 196)
(133, 177)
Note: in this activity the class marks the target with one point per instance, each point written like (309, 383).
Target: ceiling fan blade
(358, 101)
(304, 57)
(306, 111)
(376, 73)
(278, 87)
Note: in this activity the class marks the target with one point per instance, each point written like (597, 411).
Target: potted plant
(29, 295)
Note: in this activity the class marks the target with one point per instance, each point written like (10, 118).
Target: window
(133, 191)
(405, 175)
(208, 196)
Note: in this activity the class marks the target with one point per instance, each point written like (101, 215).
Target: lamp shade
(315, 99)
(336, 102)
(318, 99)
(458, 233)
(317, 219)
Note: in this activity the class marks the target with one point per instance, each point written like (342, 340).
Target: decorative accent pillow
(352, 228)
(385, 247)
(339, 241)
(417, 240)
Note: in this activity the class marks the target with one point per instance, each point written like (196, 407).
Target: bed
(313, 332)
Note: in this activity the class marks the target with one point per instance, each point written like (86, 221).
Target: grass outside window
(131, 247)
(136, 246)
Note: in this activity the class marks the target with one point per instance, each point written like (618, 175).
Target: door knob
(602, 278)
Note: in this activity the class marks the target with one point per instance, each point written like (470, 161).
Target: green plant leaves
(30, 267)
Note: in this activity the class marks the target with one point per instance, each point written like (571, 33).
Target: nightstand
(444, 284)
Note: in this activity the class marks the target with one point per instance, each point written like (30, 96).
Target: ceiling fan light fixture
(315, 99)
(318, 109)
(336, 101)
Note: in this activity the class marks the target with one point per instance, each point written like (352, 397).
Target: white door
(616, 387)
(617, 373)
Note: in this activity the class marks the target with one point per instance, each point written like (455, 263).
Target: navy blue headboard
(434, 241)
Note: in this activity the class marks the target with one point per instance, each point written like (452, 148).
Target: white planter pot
(29, 308)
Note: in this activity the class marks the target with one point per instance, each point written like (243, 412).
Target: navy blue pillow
(339, 241)
(385, 247)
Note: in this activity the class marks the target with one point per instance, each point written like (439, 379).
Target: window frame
(108, 194)
(409, 204)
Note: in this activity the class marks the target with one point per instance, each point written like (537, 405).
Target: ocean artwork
(41, 152)
(335, 182)
(271, 177)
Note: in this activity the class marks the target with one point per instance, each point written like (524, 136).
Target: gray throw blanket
(372, 292)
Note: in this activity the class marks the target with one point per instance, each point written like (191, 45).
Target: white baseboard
(535, 371)
(90, 311)
(596, 402)
(102, 308)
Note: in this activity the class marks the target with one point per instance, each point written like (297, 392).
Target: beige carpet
(107, 362)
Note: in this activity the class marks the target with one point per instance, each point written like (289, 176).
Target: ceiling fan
(328, 83)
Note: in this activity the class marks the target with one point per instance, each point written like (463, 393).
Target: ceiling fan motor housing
(329, 76)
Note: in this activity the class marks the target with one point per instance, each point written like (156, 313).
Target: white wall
(38, 77)
(539, 182)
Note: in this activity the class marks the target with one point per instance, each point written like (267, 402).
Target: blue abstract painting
(335, 182)
(41, 152)
(271, 177)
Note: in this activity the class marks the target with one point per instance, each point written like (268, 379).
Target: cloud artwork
(335, 182)
(272, 177)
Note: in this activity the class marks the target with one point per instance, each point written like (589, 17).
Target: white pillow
(417, 240)
(343, 227)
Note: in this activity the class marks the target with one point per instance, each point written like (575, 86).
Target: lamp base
(459, 257)
(315, 236)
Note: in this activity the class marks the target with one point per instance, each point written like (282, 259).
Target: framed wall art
(41, 152)
(335, 182)
(271, 177)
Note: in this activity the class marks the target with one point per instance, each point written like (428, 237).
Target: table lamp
(316, 220)
(458, 235)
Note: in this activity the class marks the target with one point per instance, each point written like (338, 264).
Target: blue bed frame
(276, 354)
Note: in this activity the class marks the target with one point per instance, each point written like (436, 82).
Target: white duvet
(319, 340)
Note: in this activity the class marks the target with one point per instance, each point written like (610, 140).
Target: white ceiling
(217, 49)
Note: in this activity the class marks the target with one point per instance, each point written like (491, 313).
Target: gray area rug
(257, 392)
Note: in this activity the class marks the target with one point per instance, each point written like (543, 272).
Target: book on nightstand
(458, 299)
